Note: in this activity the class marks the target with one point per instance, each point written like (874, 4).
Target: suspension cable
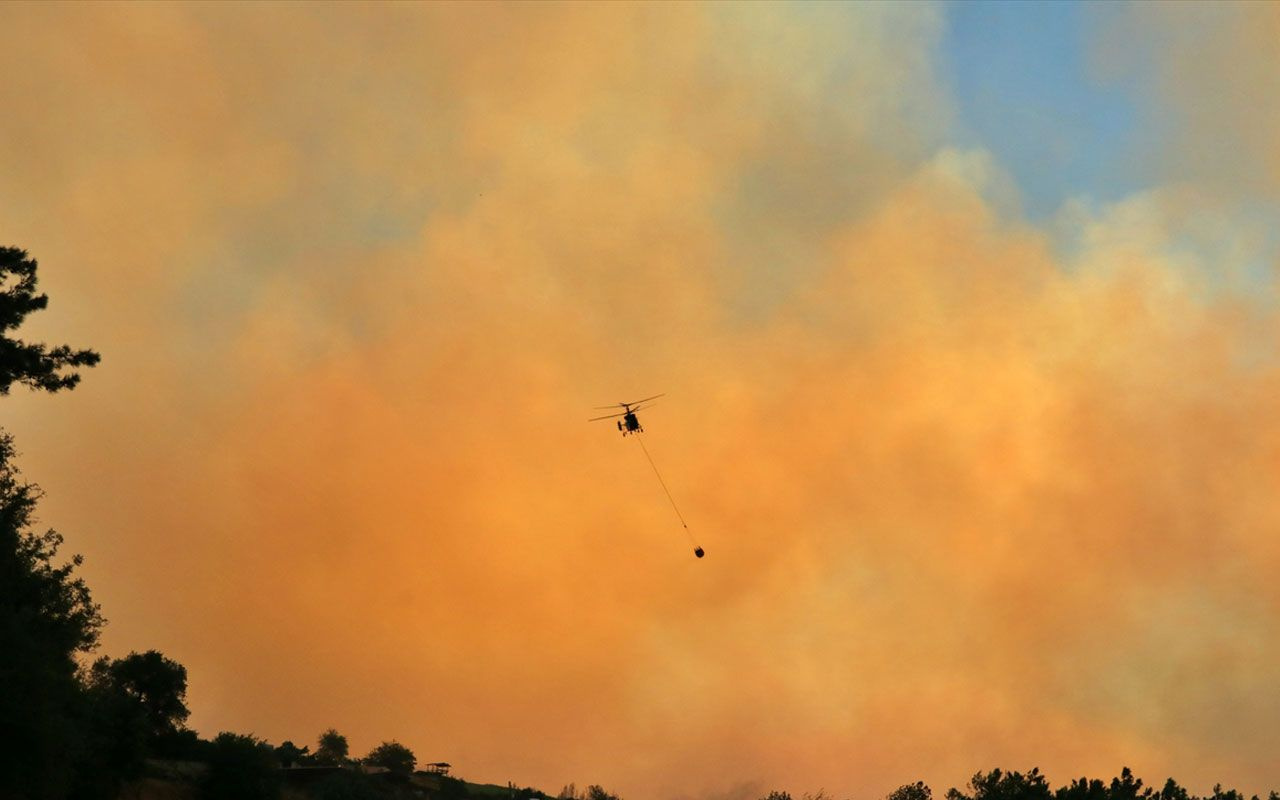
(697, 549)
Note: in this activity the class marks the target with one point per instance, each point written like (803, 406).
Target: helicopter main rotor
(627, 408)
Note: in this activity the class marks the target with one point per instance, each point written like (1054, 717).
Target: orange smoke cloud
(973, 493)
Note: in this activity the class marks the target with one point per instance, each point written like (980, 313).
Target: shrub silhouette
(241, 768)
(394, 756)
(331, 748)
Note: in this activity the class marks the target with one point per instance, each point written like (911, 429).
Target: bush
(241, 768)
(394, 756)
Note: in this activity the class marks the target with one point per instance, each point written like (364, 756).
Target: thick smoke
(973, 492)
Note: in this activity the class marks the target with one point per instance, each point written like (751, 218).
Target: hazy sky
(966, 314)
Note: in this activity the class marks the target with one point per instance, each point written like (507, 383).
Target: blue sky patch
(1020, 78)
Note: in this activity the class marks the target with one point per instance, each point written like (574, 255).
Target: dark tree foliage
(155, 684)
(1171, 791)
(1083, 789)
(456, 789)
(331, 748)
(179, 745)
(47, 617)
(394, 756)
(130, 710)
(46, 597)
(593, 792)
(49, 724)
(911, 791)
(777, 795)
(1127, 787)
(114, 742)
(289, 754)
(34, 365)
(135, 708)
(998, 785)
(241, 768)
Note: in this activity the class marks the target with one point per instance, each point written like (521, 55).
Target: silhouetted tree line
(592, 792)
(1000, 785)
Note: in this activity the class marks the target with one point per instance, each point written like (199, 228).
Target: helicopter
(629, 423)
